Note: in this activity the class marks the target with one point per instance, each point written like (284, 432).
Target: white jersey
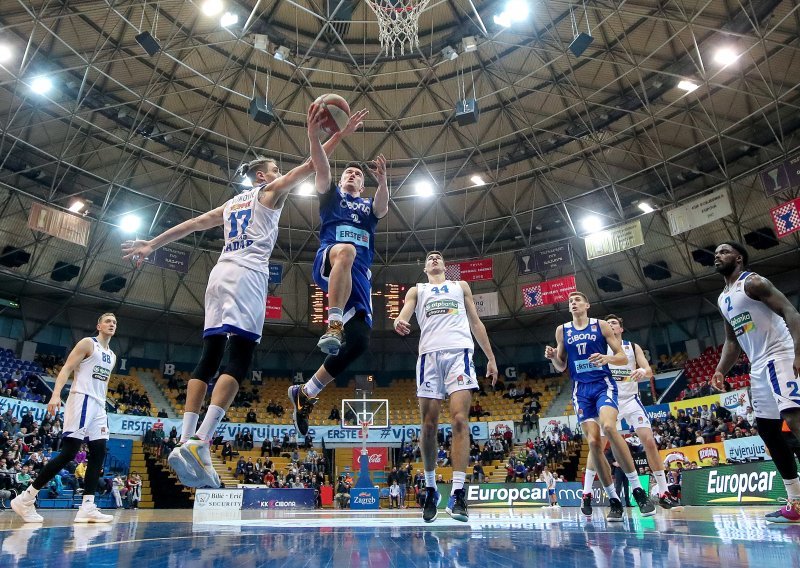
(442, 317)
(251, 230)
(92, 374)
(626, 386)
(762, 333)
(549, 479)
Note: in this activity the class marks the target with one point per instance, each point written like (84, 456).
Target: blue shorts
(589, 398)
(360, 299)
(551, 491)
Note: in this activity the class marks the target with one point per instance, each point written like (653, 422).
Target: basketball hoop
(364, 433)
(398, 22)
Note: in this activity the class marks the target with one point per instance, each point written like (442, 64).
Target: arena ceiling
(559, 137)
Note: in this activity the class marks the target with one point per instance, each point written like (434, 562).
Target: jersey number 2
(236, 218)
(728, 303)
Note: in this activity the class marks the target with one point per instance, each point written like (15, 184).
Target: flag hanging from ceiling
(470, 270)
(548, 292)
(786, 218)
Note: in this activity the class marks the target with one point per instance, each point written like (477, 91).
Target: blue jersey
(348, 219)
(579, 345)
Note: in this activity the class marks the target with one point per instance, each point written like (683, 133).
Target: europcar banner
(569, 494)
(755, 483)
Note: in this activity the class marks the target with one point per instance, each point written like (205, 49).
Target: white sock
(588, 481)
(611, 492)
(210, 423)
(792, 488)
(633, 479)
(459, 477)
(313, 387)
(430, 479)
(661, 479)
(189, 425)
(88, 500)
(335, 314)
(31, 492)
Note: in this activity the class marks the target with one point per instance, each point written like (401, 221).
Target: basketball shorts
(236, 301)
(632, 410)
(441, 373)
(551, 491)
(774, 388)
(589, 398)
(85, 418)
(360, 299)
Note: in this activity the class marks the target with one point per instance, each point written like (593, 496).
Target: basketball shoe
(303, 405)
(182, 468)
(789, 514)
(25, 506)
(331, 341)
(457, 505)
(586, 505)
(89, 513)
(430, 508)
(197, 454)
(646, 506)
(667, 501)
(615, 511)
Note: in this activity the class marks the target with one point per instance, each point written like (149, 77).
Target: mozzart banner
(699, 212)
(548, 292)
(614, 240)
(756, 483)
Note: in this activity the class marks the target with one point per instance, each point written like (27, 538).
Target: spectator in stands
(741, 410)
(80, 475)
(134, 490)
(251, 417)
(394, 495)
(276, 447)
(295, 456)
(335, 414)
(478, 474)
(162, 413)
(118, 484)
(266, 447)
(441, 457)
(342, 498)
(247, 440)
(240, 466)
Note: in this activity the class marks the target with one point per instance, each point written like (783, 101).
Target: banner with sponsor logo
(552, 423)
(486, 304)
(781, 177)
(378, 458)
(274, 307)
(261, 498)
(205, 499)
(786, 217)
(60, 224)
(755, 483)
(500, 427)
(731, 400)
(470, 270)
(365, 498)
(744, 449)
(702, 454)
(544, 259)
(694, 406)
(569, 494)
(700, 211)
(548, 292)
(614, 240)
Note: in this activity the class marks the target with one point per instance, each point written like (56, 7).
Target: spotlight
(477, 180)
(77, 206)
(514, 11)
(469, 44)
(40, 85)
(306, 189)
(212, 7)
(129, 223)
(5, 53)
(228, 19)
(592, 224)
(646, 207)
(725, 56)
(687, 86)
(424, 188)
(282, 53)
(449, 53)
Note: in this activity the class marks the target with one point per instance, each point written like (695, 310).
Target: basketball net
(398, 22)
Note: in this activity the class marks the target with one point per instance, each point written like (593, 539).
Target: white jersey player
(447, 319)
(632, 410)
(85, 421)
(762, 322)
(235, 296)
(549, 481)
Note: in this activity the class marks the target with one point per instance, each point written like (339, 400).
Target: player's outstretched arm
(759, 288)
(557, 354)
(727, 358)
(139, 250)
(81, 351)
(380, 203)
(319, 160)
(479, 331)
(643, 368)
(618, 358)
(402, 324)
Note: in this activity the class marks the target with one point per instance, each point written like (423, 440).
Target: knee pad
(240, 356)
(213, 350)
(357, 334)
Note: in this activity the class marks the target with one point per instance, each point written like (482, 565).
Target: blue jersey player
(582, 346)
(342, 268)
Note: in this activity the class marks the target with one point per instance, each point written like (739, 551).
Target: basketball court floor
(712, 537)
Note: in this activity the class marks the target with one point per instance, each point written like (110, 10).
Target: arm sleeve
(325, 198)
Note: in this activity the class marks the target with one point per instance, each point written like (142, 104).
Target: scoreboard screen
(387, 299)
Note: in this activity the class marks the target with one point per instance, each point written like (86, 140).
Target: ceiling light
(228, 19)
(514, 11)
(687, 86)
(725, 56)
(592, 224)
(129, 223)
(77, 206)
(449, 53)
(212, 7)
(469, 43)
(246, 182)
(477, 180)
(503, 19)
(5, 53)
(646, 207)
(424, 188)
(40, 85)
(306, 189)
(282, 53)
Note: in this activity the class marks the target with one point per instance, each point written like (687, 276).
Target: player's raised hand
(491, 371)
(355, 122)
(550, 352)
(718, 381)
(402, 326)
(53, 406)
(136, 251)
(315, 119)
(378, 169)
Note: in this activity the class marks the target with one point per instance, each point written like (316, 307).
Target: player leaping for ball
(583, 345)
(342, 268)
(235, 296)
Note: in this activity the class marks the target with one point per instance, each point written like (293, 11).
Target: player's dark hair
(576, 293)
(357, 165)
(614, 317)
(434, 252)
(740, 248)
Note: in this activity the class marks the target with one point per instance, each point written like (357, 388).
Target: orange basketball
(337, 112)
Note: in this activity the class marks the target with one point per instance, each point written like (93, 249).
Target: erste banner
(274, 307)
(470, 270)
(786, 217)
(548, 292)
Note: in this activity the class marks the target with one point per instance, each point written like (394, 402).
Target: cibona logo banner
(755, 483)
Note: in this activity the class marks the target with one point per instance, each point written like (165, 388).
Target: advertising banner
(694, 405)
(548, 292)
(500, 427)
(365, 498)
(486, 304)
(60, 224)
(469, 270)
(216, 499)
(274, 305)
(755, 483)
(551, 423)
(378, 458)
(543, 259)
(701, 454)
(786, 217)
(745, 449)
(569, 494)
(261, 498)
(614, 240)
(731, 400)
(698, 212)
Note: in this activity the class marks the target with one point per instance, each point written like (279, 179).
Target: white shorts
(632, 410)
(85, 418)
(236, 301)
(441, 373)
(773, 388)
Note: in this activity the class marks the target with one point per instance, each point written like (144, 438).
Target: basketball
(337, 112)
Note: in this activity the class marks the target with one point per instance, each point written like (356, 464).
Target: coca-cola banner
(500, 427)
(378, 458)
